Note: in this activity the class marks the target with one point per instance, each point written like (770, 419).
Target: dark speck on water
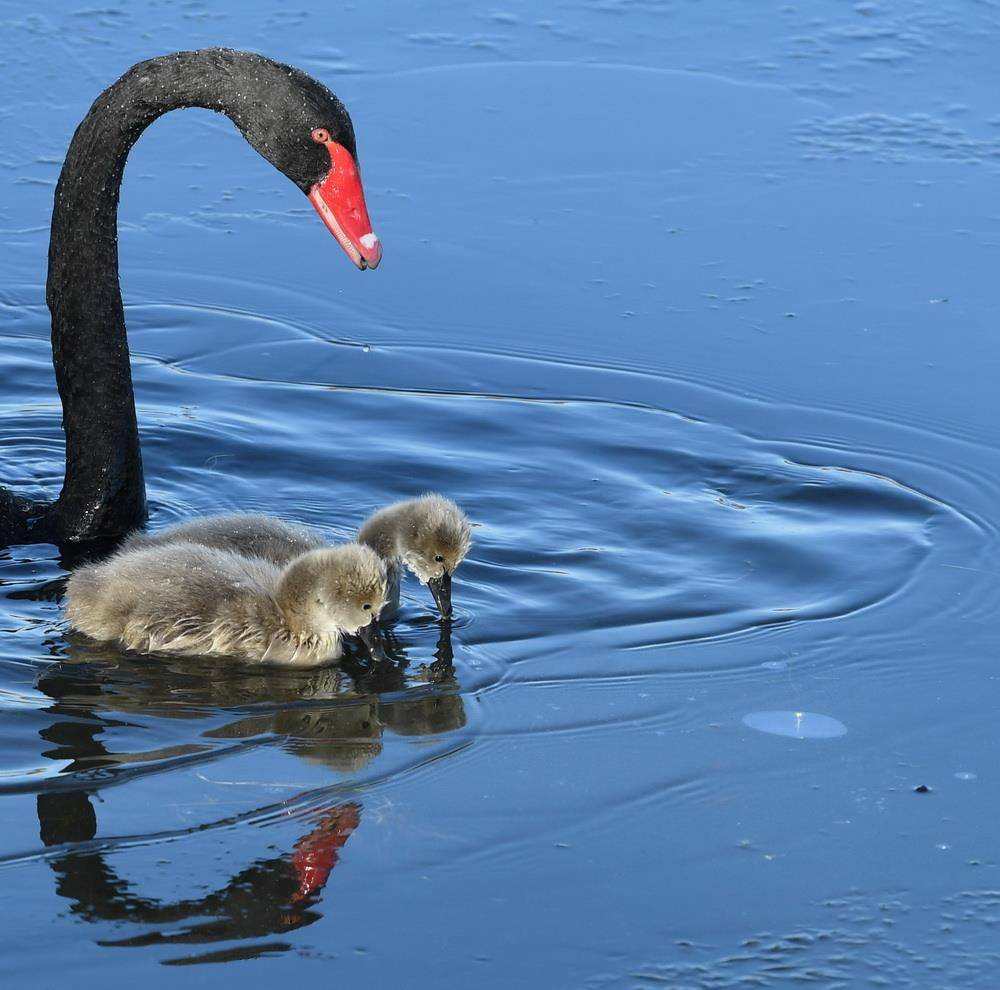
(615, 769)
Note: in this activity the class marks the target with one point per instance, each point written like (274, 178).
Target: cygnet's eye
(366, 606)
(438, 558)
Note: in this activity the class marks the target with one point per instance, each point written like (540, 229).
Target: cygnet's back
(181, 598)
(246, 533)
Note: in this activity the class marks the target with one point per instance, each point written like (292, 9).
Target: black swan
(294, 122)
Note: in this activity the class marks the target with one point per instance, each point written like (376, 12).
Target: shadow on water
(333, 717)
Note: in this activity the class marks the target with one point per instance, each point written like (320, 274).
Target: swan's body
(429, 536)
(186, 598)
(290, 119)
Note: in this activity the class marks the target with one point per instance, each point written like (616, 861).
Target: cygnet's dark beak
(372, 638)
(441, 590)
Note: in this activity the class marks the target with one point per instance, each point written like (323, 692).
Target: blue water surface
(691, 306)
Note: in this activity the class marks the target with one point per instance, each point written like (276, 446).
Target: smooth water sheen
(690, 308)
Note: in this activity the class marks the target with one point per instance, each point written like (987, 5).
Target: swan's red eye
(321, 135)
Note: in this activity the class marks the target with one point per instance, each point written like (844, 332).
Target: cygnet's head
(431, 535)
(334, 590)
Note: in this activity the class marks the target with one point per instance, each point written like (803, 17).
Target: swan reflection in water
(333, 717)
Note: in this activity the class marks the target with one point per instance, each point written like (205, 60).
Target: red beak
(340, 202)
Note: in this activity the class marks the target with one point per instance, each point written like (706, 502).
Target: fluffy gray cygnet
(249, 534)
(429, 535)
(181, 597)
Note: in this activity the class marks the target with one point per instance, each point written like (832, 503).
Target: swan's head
(305, 132)
(433, 537)
(333, 591)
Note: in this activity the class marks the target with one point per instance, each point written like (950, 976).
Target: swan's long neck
(103, 493)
